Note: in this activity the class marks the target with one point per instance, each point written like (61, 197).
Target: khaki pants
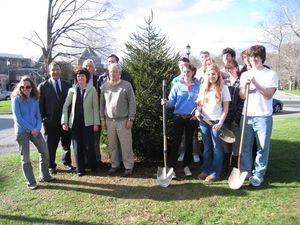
(117, 132)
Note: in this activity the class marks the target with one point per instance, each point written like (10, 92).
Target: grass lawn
(295, 92)
(101, 199)
(5, 106)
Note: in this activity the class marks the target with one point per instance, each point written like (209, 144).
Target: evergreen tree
(150, 60)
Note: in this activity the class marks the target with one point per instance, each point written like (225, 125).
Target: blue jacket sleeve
(172, 99)
(18, 115)
(37, 116)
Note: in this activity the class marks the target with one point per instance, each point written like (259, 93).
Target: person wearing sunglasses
(27, 124)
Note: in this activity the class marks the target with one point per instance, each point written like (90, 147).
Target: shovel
(237, 176)
(164, 174)
(224, 134)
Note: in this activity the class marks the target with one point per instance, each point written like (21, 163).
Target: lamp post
(8, 65)
(188, 50)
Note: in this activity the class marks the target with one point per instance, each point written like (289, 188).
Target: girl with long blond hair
(27, 124)
(212, 103)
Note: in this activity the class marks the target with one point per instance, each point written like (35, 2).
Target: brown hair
(83, 71)
(18, 91)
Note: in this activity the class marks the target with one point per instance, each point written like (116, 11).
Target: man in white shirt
(259, 121)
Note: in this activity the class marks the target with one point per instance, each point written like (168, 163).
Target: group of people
(76, 113)
(218, 95)
(71, 114)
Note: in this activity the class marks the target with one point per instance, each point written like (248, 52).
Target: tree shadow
(178, 190)
(37, 220)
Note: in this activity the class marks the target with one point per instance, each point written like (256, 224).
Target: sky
(210, 25)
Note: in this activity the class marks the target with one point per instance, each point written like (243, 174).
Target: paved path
(8, 139)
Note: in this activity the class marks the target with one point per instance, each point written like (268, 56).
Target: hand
(249, 77)
(96, 128)
(103, 124)
(129, 124)
(65, 127)
(217, 126)
(35, 132)
(197, 114)
(164, 101)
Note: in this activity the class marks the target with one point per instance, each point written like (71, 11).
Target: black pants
(180, 125)
(54, 134)
(83, 145)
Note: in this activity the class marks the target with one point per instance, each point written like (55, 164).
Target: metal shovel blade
(227, 136)
(164, 176)
(236, 178)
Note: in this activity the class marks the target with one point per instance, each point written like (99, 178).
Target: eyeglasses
(26, 87)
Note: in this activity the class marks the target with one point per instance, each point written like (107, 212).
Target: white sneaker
(181, 157)
(187, 171)
(196, 158)
(255, 181)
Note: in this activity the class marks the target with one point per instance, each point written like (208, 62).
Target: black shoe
(52, 171)
(70, 168)
(113, 170)
(128, 172)
(49, 179)
(80, 174)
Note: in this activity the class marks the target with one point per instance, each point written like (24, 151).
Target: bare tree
(73, 25)
(281, 32)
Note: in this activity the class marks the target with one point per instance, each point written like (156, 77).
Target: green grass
(5, 106)
(295, 92)
(101, 199)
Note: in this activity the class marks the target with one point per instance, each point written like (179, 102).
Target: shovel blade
(236, 178)
(227, 136)
(164, 176)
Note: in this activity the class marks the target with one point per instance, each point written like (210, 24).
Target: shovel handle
(243, 126)
(164, 88)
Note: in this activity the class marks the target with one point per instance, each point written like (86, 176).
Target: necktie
(57, 89)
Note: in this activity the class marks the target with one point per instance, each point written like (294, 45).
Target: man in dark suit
(53, 93)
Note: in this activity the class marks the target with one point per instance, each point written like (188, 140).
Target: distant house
(13, 66)
(89, 53)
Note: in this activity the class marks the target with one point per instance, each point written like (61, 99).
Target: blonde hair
(206, 86)
(19, 92)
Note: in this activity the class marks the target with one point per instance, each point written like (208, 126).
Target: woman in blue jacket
(182, 97)
(27, 124)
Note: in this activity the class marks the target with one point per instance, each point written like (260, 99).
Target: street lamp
(8, 65)
(188, 50)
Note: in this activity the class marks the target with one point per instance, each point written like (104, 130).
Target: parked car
(5, 95)
(277, 105)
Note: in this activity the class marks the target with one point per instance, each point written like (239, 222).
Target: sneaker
(128, 172)
(52, 171)
(255, 181)
(211, 178)
(70, 168)
(49, 179)
(196, 158)
(32, 186)
(113, 170)
(187, 171)
(181, 157)
(174, 176)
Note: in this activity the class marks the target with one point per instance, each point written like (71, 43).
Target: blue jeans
(259, 127)
(213, 150)
(39, 142)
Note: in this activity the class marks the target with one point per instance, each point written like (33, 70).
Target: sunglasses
(26, 87)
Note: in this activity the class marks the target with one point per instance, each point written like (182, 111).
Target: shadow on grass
(34, 220)
(176, 191)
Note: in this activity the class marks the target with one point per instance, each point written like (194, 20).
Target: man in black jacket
(53, 93)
